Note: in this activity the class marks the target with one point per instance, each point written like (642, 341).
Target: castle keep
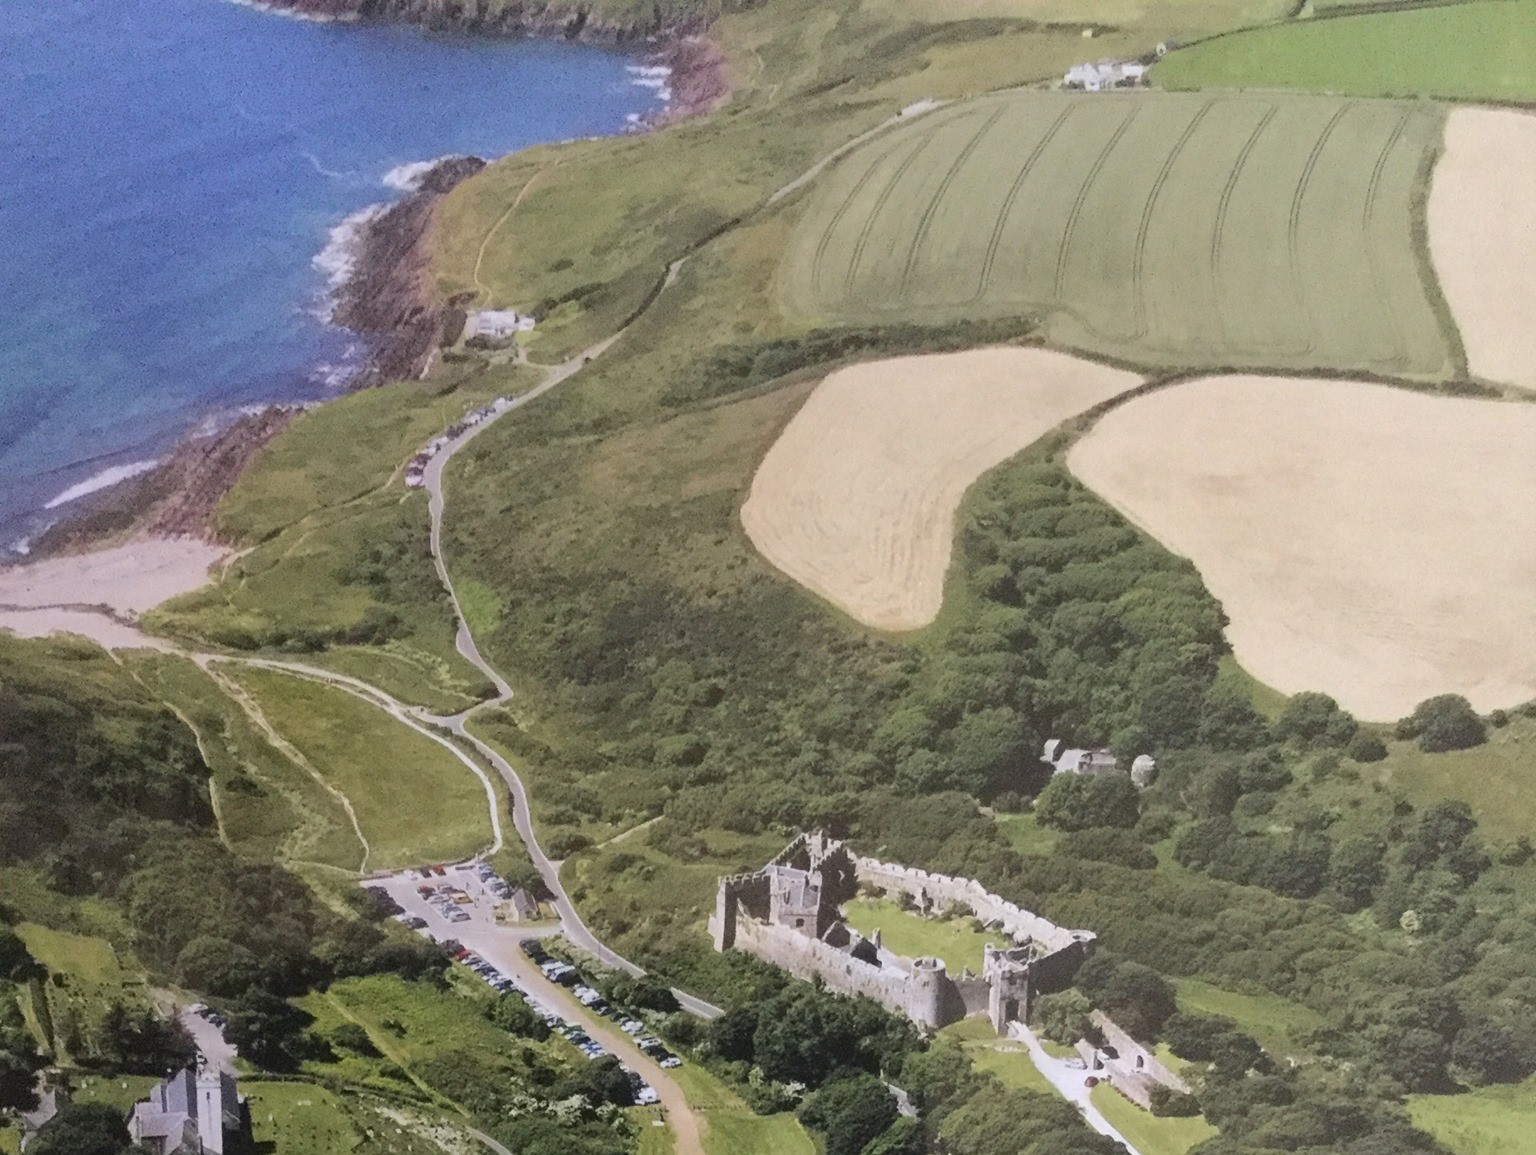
(789, 913)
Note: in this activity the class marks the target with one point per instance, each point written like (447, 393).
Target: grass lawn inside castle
(954, 940)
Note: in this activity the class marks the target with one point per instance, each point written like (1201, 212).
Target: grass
(88, 959)
(1026, 835)
(337, 558)
(413, 800)
(268, 806)
(1496, 779)
(1268, 701)
(1147, 1133)
(732, 1127)
(122, 1091)
(299, 1119)
(1487, 1121)
(1472, 51)
(10, 1140)
(1154, 230)
(1275, 1022)
(1006, 1059)
(914, 936)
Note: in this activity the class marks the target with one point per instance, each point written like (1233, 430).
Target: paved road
(571, 922)
(217, 1050)
(1069, 1082)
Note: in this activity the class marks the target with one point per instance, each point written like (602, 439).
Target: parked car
(671, 1062)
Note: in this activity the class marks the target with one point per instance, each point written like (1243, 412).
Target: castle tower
(925, 994)
(1007, 972)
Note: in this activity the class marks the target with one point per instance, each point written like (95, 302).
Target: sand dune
(1366, 541)
(1482, 238)
(857, 498)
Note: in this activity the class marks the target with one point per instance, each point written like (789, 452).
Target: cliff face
(614, 22)
(390, 295)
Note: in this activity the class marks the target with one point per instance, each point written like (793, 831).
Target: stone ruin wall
(933, 1002)
(989, 908)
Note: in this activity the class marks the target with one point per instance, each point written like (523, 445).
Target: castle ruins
(789, 913)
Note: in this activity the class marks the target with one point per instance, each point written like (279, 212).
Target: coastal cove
(181, 178)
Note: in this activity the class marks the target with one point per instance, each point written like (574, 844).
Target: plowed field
(1170, 229)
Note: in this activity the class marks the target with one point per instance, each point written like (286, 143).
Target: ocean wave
(103, 480)
(408, 177)
(648, 70)
(291, 14)
(338, 260)
(328, 173)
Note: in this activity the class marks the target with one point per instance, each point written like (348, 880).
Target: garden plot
(1172, 229)
(857, 498)
(1366, 541)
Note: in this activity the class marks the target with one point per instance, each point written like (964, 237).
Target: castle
(789, 913)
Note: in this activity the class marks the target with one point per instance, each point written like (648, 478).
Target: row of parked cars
(567, 975)
(504, 983)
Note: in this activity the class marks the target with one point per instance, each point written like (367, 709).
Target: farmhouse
(194, 1112)
(790, 914)
(1104, 75)
(496, 324)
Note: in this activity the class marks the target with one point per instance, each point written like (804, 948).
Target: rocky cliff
(610, 21)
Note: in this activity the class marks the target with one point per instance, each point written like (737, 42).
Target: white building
(1078, 761)
(1104, 75)
(193, 1112)
(496, 323)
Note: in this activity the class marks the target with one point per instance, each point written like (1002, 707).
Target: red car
(437, 870)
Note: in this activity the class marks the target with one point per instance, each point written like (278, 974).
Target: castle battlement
(790, 914)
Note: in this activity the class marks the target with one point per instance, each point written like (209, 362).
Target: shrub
(1447, 722)
(850, 1113)
(1170, 1104)
(1077, 802)
(1063, 1017)
(1366, 747)
(1316, 720)
(1108, 844)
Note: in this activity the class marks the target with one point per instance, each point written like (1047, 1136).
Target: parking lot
(460, 903)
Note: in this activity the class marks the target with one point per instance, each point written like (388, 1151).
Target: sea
(178, 182)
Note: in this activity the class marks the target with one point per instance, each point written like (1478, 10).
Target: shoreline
(377, 263)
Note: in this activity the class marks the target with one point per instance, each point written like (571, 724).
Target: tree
(1312, 719)
(140, 1042)
(16, 964)
(354, 1038)
(82, 1129)
(903, 1137)
(1170, 1104)
(1447, 722)
(1138, 998)
(513, 1015)
(1488, 1052)
(1108, 844)
(1063, 1017)
(1077, 802)
(1228, 720)
(1170, 713)
(850, 1113)
(218, 966)
(270, 1032)
(1355, 870)
(730, 1036)
(17, 1082)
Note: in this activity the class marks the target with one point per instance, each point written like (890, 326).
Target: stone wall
(1134, 1070)
(942, 890)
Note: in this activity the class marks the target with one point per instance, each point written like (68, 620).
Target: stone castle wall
(943, 890)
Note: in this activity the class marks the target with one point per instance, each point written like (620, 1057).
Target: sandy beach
(98, 594)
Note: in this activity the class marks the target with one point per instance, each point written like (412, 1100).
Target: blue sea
(174, 175)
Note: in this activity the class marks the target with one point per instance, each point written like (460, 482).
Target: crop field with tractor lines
(1166, 229)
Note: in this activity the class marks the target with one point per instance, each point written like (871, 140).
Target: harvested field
(1482, 236)
(1365, 541)
(857, 498)
(1170, 229)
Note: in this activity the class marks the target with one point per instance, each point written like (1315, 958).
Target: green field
(1171, 230)
(1495, 779)
(1026, 835)
(1472, 51)
(413, 800)
(1273, 1021)
(733, 1129)
(914, 936)
(299, 1119)
(1487, 1121)
(1149, 1134)
(88, 959)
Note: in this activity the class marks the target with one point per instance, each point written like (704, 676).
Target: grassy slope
(268, 806)
(414, 801)
(1473, 51)
(732, 1127)
(1488, 1121)
(1498, 779)
(1006, 1059)
(1274, 1022)
(317, 505)
(1147, 1133)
